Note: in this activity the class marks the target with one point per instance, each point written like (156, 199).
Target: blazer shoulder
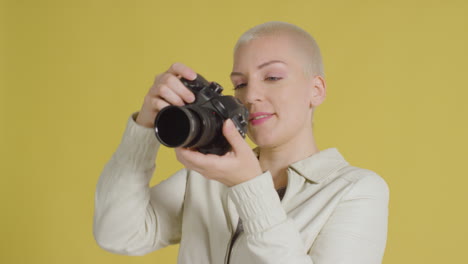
(365, 182)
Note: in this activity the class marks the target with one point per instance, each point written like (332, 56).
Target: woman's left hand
(234, 167)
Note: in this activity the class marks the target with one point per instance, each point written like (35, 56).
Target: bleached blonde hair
(303, 40)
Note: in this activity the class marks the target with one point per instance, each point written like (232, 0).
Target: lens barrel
(188, 126)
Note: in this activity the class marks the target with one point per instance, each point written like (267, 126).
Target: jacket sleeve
(355, 233)
(130, 217)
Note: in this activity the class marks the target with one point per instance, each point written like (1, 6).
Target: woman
(285, 202)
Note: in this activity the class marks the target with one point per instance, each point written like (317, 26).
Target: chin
(262, 141)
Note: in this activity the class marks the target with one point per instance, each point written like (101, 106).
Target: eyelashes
(239, 86)
(273, 78)
(267, 79)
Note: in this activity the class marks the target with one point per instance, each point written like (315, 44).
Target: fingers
(170, 96)
(182, 70)
(234, 137)
(159, 104)
(167, 89)
(180, 90)
(195, 160)
(231, 169)
(170, 81)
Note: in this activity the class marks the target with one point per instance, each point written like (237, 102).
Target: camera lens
(176, 126)
(187, 126)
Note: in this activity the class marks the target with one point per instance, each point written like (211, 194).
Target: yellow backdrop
(72, 72)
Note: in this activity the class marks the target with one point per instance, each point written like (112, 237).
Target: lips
(258, 118)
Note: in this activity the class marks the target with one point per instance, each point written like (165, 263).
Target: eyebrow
(263, 65)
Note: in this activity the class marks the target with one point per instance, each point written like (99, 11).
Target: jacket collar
(319, 166)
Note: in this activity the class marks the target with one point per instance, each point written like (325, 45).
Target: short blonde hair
(303, 39)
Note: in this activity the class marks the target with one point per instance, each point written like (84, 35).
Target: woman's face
(269, 78)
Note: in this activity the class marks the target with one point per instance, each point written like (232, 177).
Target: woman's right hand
(166, 90)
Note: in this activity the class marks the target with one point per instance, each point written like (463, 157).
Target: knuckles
(157, 77)
(163, 90)
(174, 66)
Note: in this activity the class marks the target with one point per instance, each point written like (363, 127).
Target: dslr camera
(199, 125)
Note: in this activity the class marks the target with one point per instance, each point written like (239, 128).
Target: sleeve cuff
(258, 204)
(139, 145)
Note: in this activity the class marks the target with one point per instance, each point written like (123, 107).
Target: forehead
(267, 48)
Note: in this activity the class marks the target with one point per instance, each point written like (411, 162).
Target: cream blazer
(331, 212)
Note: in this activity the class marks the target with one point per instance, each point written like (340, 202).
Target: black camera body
(199, 124)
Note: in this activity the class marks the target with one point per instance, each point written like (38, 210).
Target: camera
(199, 125)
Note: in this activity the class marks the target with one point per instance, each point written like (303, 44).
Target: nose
(253, 93)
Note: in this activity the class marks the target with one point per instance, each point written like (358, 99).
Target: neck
(277, 159)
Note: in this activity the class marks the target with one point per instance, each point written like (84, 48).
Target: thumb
(234, 137)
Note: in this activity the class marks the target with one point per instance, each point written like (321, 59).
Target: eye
(273, 78)
(239, 86)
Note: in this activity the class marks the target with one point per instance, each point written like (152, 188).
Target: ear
(319, 91)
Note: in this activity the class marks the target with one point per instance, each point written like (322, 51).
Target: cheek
(297, 100)
(295, 108)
